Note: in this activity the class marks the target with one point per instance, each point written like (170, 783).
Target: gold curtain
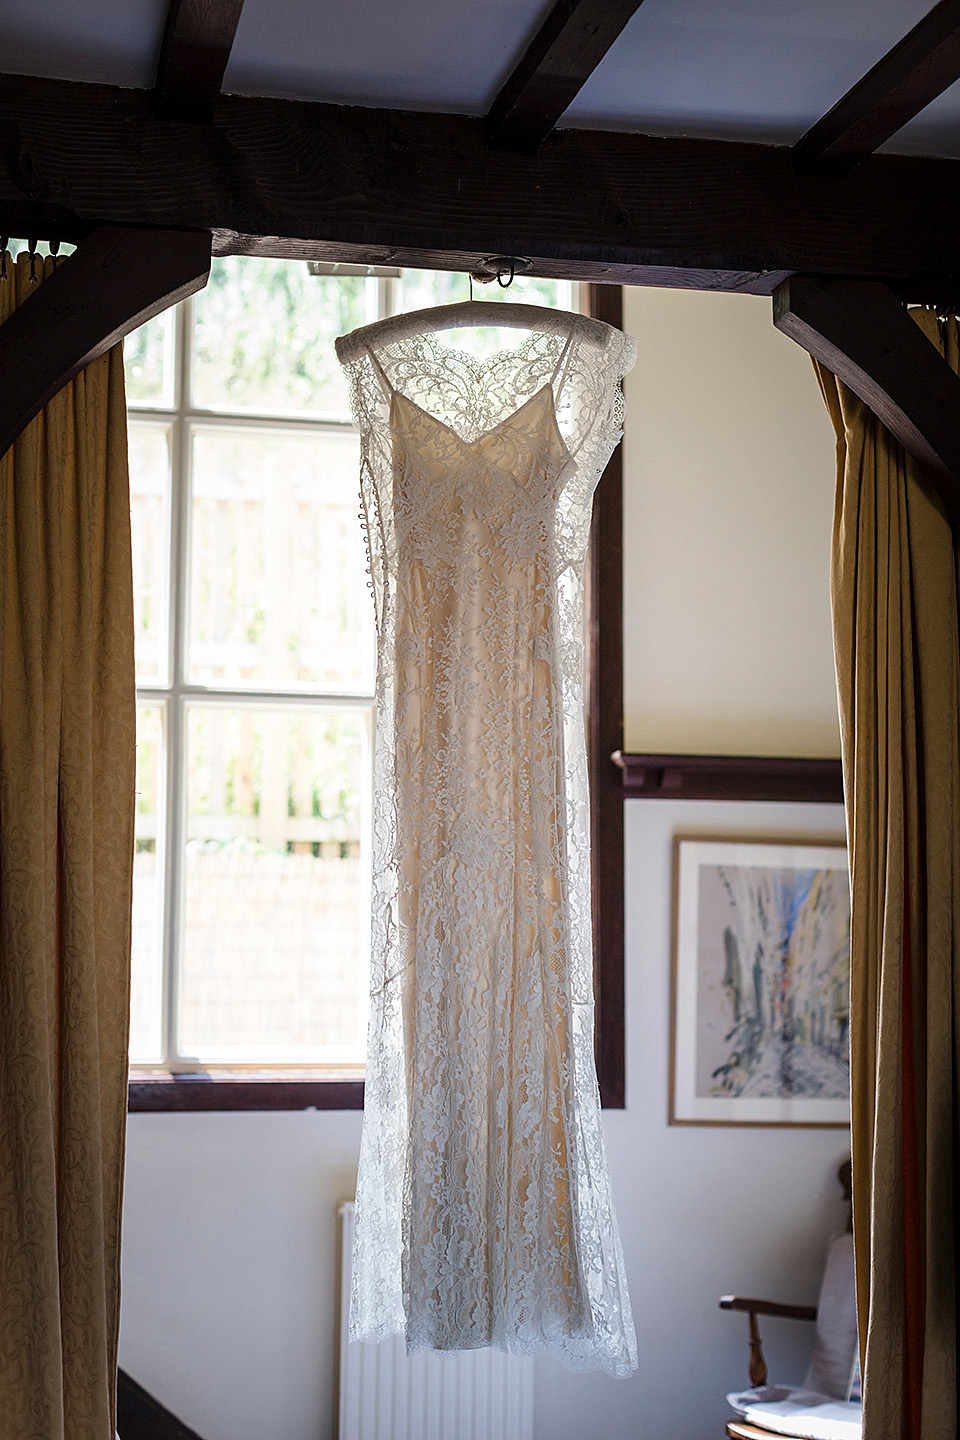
(67, 720)
(895, 608)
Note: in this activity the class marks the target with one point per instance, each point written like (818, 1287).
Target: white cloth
(801, 1414)
(835, 1362)
(483, 1205)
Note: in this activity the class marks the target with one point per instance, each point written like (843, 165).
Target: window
(255, 669)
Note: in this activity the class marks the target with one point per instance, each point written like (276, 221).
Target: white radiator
(387, 1395)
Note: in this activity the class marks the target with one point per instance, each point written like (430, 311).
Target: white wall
(230, 1267)
(229, 1232)
(728, 510)
(703, 1210)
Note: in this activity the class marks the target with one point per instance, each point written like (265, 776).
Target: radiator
(387, 1395)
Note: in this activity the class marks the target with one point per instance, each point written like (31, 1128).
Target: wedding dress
(484, 1214)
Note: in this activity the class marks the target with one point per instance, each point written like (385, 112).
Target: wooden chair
(753, 1309)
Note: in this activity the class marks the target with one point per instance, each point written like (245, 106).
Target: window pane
(18, 247)
(264, 337)
(278, 583)
(273, 962)
(148, 362)
(418, 289)
(149, 446)
(146, 979)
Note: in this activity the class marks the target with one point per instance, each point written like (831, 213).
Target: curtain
(895, 608)
(67, 724)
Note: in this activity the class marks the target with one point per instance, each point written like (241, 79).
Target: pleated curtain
(895, 607)
(67, 718)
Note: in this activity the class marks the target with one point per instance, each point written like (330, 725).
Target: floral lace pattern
(484, 1214)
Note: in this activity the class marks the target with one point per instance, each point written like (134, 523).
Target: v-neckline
(493, 429)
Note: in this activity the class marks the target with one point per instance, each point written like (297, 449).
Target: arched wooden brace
(863, 334)
(116, 280)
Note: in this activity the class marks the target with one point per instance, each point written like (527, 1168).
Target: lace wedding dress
(484, 1214)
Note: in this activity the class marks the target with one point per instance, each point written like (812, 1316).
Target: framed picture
(761, 983)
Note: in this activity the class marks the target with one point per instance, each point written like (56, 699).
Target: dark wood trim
(557, 63)
(197, 40)
(288, 178)
(768, 1307)
(141, 1417)
(861, 332)
(115, 281)
(740, 1430)
(730, 777)
(605, 734)
(212, 1092)
(918, 69)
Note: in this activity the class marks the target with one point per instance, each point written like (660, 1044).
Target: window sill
(155, 1093)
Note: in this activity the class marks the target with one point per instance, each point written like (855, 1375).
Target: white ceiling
(736, 68)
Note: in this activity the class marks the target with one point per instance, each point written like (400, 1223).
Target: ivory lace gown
(483, 1203)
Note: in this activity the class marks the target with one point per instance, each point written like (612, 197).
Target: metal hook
(32, 248)
(495, 267)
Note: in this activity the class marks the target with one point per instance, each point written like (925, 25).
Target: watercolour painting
(761, 983)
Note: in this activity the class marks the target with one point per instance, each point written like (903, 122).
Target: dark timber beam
(862, 333)
(193, 57)
(898, 87)
(115, 281)
(328, 182)
(560, 58)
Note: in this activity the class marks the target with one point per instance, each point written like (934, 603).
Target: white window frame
(184, 419)
(256, 1084)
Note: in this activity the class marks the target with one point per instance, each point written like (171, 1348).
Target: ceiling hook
(495, 267)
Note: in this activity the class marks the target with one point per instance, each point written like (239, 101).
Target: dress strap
(560, 370)
(381, 374)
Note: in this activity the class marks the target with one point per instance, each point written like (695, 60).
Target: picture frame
(760, 982)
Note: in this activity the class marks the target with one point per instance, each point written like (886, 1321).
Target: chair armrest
(753, 1308)
(768, 1307)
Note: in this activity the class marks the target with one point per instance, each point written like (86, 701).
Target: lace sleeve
(590, 400)
(590, 419)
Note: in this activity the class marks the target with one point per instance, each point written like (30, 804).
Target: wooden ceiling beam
(914, 72)
(115, 281)
(196, 46)
(327, 182)
(557, 63)
(861, 332)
